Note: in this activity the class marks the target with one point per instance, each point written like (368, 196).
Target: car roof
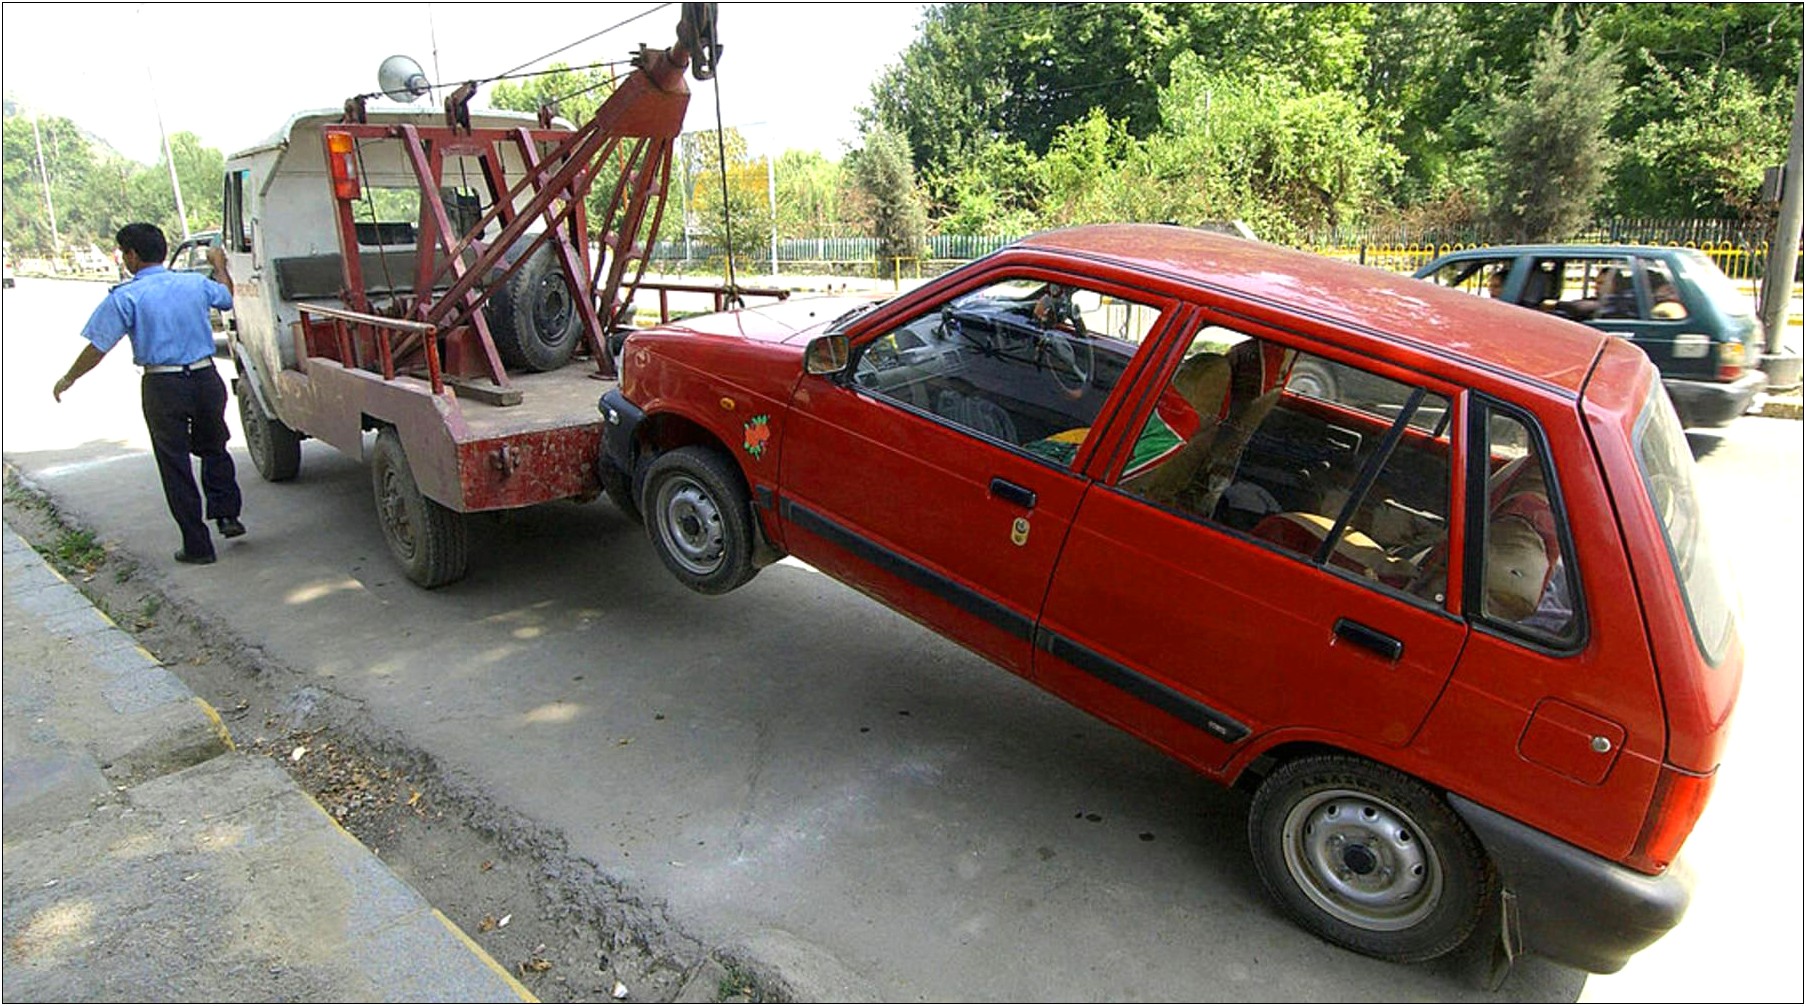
(1449, 323)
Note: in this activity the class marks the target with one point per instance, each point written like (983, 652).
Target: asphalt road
(794, 768)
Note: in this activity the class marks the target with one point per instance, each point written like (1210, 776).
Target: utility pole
(56, 242)
(1784, 247)
(771, 198)
(169, 156)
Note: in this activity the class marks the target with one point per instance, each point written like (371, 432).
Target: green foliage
(77, 552)
(95, 191)
(1550, 151)
(887, 186)
(1711, 154)
(574, 95)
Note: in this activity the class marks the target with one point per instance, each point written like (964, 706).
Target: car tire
(1312, 379)
(429, 540)
(698, 519)
(274, 448)
(534, 317)
(1369, 858)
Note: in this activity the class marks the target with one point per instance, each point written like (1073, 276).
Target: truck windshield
(1667, 467)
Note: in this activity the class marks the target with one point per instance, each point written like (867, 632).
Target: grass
(77, 551)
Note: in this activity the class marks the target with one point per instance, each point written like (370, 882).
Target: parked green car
(1674, 303)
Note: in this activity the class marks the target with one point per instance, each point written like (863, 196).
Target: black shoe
(230, 527)
(195, 560)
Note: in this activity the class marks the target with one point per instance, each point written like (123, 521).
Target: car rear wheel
(1369, 858)
(697, 516)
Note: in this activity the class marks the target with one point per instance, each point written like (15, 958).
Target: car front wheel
(1369, 858)
(697, 516)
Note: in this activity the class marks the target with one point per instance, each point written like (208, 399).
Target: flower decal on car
(758, 435)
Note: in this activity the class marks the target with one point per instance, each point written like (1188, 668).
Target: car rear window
(1667, 467)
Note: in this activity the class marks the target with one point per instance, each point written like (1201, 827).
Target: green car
(1673, 303)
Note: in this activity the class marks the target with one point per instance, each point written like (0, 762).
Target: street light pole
(56, 241)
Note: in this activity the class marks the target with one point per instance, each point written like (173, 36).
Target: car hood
(790, 322)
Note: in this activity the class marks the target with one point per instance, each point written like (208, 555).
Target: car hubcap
(690, 524)
(1362, 860)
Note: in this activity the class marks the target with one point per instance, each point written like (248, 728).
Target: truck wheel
(1368, 858)
(697, 517)
(428, 540)
(534, 317)
(275, 449)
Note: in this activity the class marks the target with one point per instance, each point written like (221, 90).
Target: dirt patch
(566, 930)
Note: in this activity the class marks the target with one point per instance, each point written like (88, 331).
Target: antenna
(402, 79)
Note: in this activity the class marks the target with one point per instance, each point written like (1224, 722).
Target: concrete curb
(147, 860)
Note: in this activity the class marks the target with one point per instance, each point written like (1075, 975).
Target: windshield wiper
(849, 315)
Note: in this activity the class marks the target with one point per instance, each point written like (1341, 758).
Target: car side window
(1583, 289)
(1665, 302)
(237, 220)
(1025, 362)
(1363, 490)
(1526, 582)
(1483, 277)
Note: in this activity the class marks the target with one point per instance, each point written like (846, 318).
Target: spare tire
(534, 316)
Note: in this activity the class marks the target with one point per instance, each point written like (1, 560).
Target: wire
(580, 41)
(726, 215)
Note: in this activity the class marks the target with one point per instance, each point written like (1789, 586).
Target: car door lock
(1019, 531)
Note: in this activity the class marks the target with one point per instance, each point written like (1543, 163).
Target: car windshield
(1667, 467)
(1710, 280)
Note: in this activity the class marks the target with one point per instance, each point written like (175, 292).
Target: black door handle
(1010, 492)
(1369, 639)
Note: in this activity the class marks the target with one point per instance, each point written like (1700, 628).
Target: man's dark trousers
(186, 413)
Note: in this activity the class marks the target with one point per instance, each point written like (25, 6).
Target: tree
(1710, 155)
(887, 185)
(1550, 152)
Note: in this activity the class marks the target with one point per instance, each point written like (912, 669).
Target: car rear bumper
(1711, 403)
(1576, 908)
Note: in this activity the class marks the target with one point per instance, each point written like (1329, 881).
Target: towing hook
(696, 33)
(506, 459)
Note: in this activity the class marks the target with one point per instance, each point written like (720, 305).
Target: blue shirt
(164, 313)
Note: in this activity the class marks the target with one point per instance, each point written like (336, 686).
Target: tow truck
(434, 280)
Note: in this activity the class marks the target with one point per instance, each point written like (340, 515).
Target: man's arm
(88, 360)
(216, 257)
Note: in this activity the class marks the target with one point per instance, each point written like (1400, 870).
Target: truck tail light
(341, 161)
(1680, 798)
(1730, 361)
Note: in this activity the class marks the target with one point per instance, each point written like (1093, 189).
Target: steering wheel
(1070, 359)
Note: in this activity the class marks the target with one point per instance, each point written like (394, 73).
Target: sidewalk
(145, 859)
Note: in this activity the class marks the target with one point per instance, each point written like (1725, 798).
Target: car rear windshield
(1667, 467)
(1711, 281)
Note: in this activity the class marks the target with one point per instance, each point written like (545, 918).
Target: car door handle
(1369, 639)
(1010, 492)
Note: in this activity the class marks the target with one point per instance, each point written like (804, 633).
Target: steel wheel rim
(690, 525)
(551, 309)
(395, 514)
(255, 440)
(1362, 860)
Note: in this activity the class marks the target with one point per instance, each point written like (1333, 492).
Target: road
(795, 769)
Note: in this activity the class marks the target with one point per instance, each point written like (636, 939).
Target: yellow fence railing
(1738, 261)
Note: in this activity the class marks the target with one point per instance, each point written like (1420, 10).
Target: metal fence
(1739, 247)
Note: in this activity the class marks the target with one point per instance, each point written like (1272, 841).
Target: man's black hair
(146, 240)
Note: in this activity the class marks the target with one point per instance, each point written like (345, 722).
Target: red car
(1472, 654)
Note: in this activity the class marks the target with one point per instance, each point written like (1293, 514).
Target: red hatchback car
(1473, 653)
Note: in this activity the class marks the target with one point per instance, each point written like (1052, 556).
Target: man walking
(165, 314)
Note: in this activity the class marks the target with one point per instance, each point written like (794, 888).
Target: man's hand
(216, 257)
(62, 385)
(88, 360)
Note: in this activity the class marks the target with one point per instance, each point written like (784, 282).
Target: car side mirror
(826, 354)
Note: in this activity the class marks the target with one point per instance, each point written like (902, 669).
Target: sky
(791, 75)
